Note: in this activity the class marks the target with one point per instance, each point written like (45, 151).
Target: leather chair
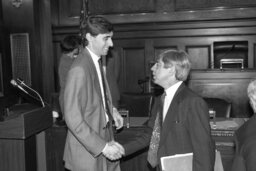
(138, 104)
(221, 106)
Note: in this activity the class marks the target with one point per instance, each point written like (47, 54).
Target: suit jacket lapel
(97, 81)
(172, 114)
(90, 62)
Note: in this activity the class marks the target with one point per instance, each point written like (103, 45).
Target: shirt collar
(95, 57)
(173, 88)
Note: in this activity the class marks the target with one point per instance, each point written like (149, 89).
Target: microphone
(19, 83)
(15, 84)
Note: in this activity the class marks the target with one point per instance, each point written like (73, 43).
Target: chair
(221, 106)
(138, 104)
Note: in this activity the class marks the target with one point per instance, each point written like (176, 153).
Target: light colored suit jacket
(85, 118)
(64, 66)
(185, 129)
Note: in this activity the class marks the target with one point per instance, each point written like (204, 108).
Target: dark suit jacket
(245, 139)
(85, 118)
(185, 129)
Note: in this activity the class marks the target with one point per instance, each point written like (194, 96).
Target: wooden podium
(18, 143)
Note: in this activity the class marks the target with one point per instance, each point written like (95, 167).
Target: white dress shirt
(169, 96)
(95, 59)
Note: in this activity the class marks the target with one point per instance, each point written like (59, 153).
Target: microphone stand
(40, 98)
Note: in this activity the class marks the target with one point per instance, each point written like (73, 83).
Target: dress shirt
(95, 59)
(169, 96)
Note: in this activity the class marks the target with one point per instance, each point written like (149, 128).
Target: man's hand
(113, 150)
(119, 121)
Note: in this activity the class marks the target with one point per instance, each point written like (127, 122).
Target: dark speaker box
(20, 57)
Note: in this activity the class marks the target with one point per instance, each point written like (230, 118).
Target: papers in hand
(180, 162)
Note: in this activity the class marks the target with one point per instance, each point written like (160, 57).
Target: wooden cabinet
(55, 143)
(229, 84)
(22, 138)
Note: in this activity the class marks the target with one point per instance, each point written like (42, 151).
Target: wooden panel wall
(34, 18)
(197, 38)
(66, 12)
(230, 85)
(142, 34)
(204, 4)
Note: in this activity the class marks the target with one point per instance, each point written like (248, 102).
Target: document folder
(183, 162)
(180, 162)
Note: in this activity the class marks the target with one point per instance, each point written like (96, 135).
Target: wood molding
(68, 13)
(182, 5)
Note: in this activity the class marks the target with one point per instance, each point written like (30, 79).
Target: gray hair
(180, 60)
(251, 92)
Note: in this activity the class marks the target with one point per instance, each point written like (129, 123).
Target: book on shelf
(224, 144)
(222, 132)
(181, 162)
(226, 126)
(227, 123)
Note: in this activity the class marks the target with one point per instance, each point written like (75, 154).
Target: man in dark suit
(245, 138)
(88, 105)
(181, 124)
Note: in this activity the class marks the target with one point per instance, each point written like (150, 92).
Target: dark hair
(95, 25)
(69, 43)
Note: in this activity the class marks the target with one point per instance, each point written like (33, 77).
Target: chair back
(221, 106)
(138, 104)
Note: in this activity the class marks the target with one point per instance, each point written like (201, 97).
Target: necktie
(104, 91)
(155, 138)
(162, 109)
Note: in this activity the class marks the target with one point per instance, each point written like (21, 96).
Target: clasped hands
(113, 150)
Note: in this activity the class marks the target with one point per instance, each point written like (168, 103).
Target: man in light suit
(69, 48)
(184, 117)
(245, 138)
(88, 105)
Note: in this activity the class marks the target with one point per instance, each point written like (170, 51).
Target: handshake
(113, 150)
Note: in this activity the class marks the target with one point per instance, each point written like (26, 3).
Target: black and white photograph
(127, 85)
